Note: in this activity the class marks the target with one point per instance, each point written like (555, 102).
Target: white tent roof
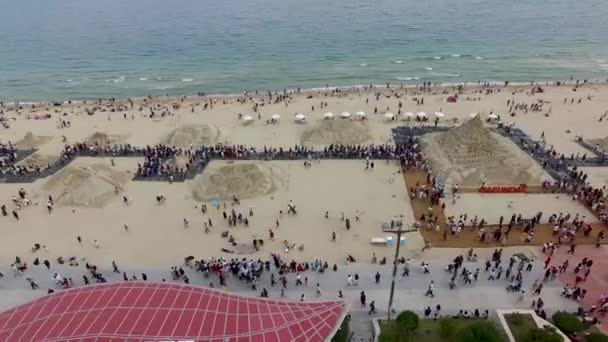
(473, 115)
(493, 116)
(345, 115)
(300, 116)
(439, 114)
(328, 115)
(389, 115)
(360, 113)
(247, 118)
(275, 116)
(421, 114)
(409, 114)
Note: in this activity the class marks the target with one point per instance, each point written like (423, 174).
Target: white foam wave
(455, 55)
(398, 62)
(408, 78)
(363, 64)
(186, 80)
(444, 74)
(143, 79)
(428, 68)
(68, 80)
(600, 60)
(437, 57)
(478, 57)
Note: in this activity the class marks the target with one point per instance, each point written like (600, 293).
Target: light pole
(398, 229)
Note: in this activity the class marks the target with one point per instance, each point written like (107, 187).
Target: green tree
(596, 337)
(568, 323)
(447, 328)
(542, 335)
(482, 331)
(408, 322)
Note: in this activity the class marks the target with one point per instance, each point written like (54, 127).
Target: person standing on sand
(115, 267)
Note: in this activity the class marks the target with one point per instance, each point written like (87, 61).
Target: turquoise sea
(76, 49)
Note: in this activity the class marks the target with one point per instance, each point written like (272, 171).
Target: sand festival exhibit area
(101, 138)
(471, 155)
(192, 134)
(31, 140)
(246, 179)
(85, 185)
(156, 236)
(337, 131)
(602, 143)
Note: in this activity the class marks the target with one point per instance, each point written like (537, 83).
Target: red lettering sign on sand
(503, 189)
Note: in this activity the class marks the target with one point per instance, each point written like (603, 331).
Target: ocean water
(78, 49)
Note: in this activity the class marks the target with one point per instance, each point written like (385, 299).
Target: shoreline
(345, 88)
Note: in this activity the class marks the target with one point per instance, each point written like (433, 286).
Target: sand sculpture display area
(222, 180)
(471, 155)
(85, 185)
(192, 134)
(340, 131)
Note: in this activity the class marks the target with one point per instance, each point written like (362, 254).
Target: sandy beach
(88, 206)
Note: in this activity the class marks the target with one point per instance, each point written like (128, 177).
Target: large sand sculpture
(336, 132)
(194, 134)
(245, 179)
(85, 186)
(602, 144)
(101, 138)
(31, 140)
(471, 155)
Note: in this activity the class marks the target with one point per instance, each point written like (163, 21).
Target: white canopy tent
(247, 119)
(389, 116)
(345, 115)
(300, 118)
(328, 115)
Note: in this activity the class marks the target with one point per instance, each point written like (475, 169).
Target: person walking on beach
(377, 277)
(372, 307)
(115, 267)
(33, 284)
(363, 298)
(333, 236)
(429, 291)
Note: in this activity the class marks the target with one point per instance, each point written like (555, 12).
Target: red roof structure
(142, 311)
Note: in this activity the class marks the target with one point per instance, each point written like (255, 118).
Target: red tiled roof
(141, 311)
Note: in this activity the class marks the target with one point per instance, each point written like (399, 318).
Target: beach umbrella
(275, 117)
(360, 113)
(473, 115)
(421, 114)
(493, 116)
(345, 115)
(328, 115)
(439, 114)
(300, 117)
(389, 115)
(247, 118)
